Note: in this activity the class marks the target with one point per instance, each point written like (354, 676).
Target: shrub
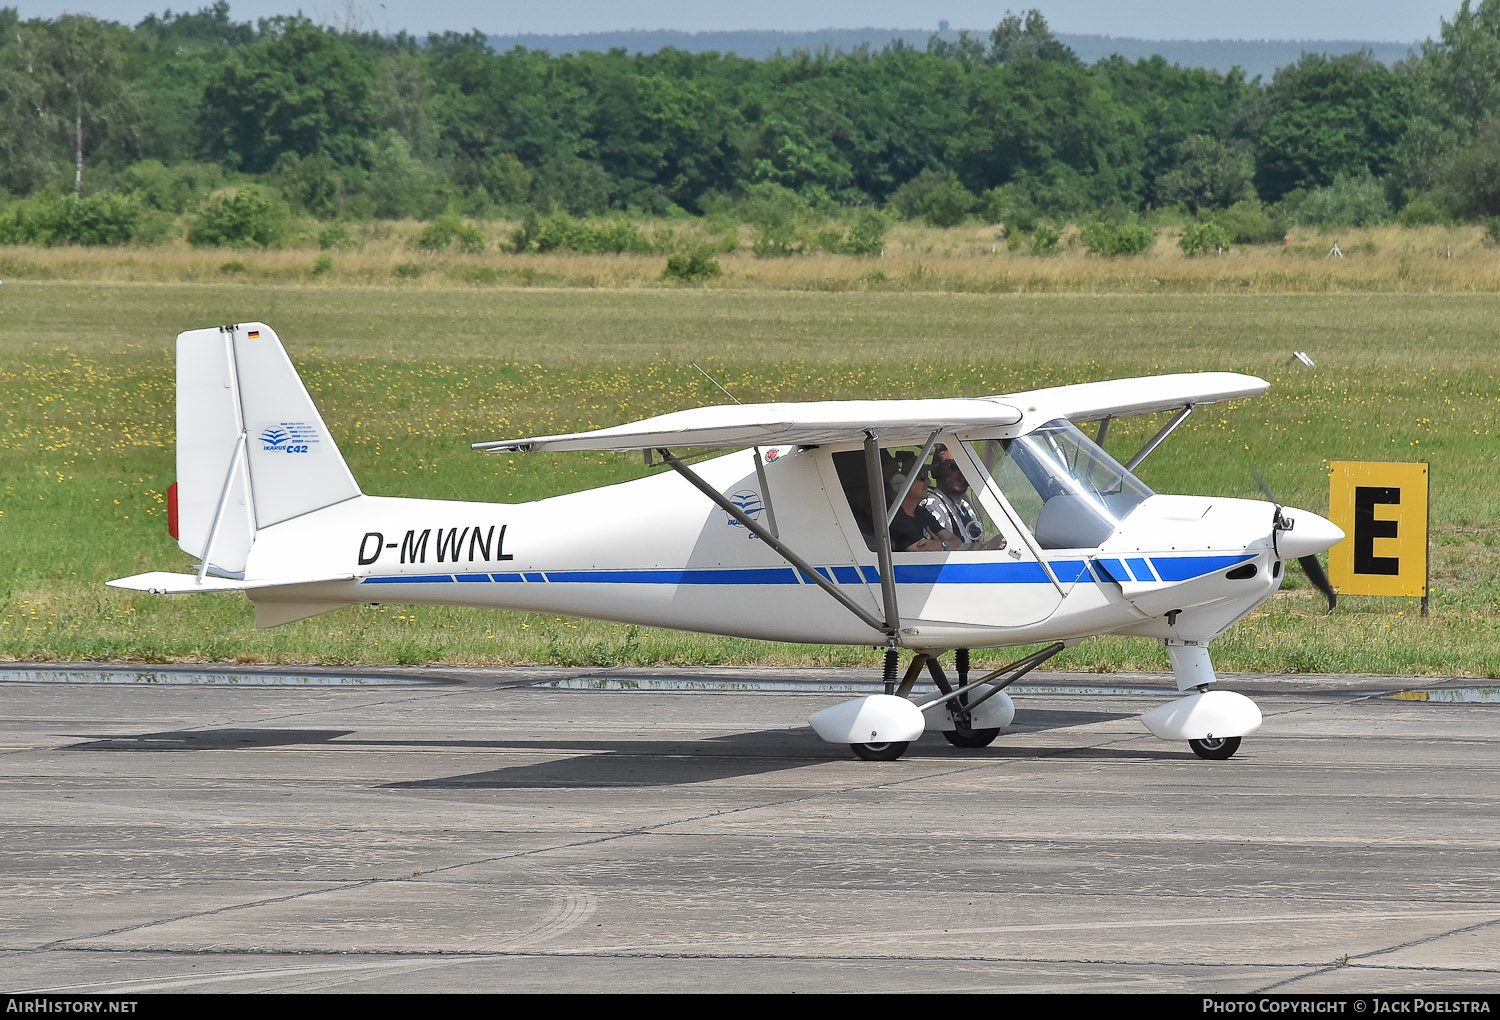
(1250, 222)
(398, 184)
(335, 235)
(505, 180)
(948, 203)
(776, 212)
(1492, 232)
(577, 185)
(1046, 240)
(447, 230)
(324, 264)
(563, 233)
(864, 236)
(1421, 212)
(1203, 238)
(1350, 201)
(171, 188)
(867, 233)
(1009, 204)
(695, 263)
(1110, 239)
(67, 219)
(776, 240)
(244, 219)
(311, 184)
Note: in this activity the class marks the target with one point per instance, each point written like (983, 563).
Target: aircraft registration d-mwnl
(930, 525)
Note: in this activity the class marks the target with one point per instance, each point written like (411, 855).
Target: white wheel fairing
(994, 713)
(1203, 715)
(877, 719)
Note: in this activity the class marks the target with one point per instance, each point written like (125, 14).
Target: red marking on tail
(172, 510)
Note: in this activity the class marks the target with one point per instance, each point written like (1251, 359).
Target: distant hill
(1255, 56)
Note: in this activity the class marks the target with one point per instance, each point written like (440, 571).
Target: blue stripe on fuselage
(1168, 568)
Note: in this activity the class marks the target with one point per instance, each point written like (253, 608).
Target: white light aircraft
(787, 539)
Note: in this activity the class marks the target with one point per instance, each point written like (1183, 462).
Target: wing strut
(890, 514)
(765, 490)
(876, 479)
(1155, 441)
(776, 544)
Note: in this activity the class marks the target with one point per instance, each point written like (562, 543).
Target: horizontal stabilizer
(165, 582)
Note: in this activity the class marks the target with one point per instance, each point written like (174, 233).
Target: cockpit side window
(942, 512)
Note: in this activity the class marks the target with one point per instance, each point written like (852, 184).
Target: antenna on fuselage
(711, 379)
(760, 467)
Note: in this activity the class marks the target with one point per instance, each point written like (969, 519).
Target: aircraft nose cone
(1309, 534)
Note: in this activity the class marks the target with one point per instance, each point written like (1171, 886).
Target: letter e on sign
(1383, 511)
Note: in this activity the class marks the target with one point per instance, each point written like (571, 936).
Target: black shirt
(908, 529)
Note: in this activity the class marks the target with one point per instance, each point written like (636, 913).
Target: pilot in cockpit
(949, 504)
(913, 528)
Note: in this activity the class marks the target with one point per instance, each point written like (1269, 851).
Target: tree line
(103, 126)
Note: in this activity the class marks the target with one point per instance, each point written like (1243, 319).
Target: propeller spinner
(1300, 543)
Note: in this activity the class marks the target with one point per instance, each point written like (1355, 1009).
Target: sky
(1363, 20)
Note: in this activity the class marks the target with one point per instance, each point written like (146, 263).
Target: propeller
(1310, 566)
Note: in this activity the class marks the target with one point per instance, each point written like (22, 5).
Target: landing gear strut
(960, 703)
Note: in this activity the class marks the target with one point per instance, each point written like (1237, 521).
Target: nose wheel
(1215, 748)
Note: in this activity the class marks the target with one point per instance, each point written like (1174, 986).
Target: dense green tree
(1173, 104)
(402, 96)
(1209, 175)
(398, 184)
(29, 155)
(311, 184)
(967, 49)
(1468, 179)
(1326, 116)
(1455, 90)
(1463, 69)
(1027, 116)
(1026, 37)
(299, 90)
(358, 123)
(65, 95)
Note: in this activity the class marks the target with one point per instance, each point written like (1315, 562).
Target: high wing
(811, 423)
(1123, 398)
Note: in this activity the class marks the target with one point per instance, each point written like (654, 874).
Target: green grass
(408, 377)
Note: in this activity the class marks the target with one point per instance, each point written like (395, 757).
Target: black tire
(971, 738)
(881, 752)
(1215, 748)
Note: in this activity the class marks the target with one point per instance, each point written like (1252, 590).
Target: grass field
(409, 373)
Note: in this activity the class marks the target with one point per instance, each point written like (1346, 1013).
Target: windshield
(1067, 489)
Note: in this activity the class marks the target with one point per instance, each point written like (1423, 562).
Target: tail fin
(252, 450)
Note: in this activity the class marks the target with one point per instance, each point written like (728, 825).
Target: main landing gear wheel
(889, 751)
(1215, 748)
(971, 738)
